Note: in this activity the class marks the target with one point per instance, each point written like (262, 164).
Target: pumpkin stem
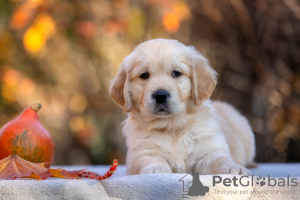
(36, 106)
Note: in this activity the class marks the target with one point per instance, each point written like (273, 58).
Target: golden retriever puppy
(172, 126)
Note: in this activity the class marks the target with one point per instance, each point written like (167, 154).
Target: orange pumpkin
(26, 137)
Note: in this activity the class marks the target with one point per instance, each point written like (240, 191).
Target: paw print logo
(261, 181)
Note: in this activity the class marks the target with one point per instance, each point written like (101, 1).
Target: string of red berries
(92, 175)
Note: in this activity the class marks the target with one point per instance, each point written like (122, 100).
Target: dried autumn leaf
(13, 167)
(61, 173)
(33, 175)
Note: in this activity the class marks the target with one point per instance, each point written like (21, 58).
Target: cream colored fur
(195, 134)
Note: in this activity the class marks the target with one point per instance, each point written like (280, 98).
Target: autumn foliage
(13, 167)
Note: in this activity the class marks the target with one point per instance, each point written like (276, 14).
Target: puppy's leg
(220, 163)
(226, 165)
(155, 166)
(146, 165)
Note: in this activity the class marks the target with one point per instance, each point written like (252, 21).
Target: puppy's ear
(119, 90)
(203, 78)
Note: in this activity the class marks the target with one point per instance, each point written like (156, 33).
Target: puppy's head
(161, 78)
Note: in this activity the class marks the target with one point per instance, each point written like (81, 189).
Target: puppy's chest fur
(180, 148)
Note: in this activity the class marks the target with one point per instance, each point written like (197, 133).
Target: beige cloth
(168, 186)
(153, 186)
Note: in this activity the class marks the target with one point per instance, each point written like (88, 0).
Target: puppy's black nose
(161, 96)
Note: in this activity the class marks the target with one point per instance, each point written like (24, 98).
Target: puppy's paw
(156, 169)
(232, 168)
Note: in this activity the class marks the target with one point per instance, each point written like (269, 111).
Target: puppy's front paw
(156, 169)
(232, 168)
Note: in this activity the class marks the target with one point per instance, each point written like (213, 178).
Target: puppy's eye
(176, 73)
(144, 75)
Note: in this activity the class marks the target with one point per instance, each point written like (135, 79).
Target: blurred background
(64, 53)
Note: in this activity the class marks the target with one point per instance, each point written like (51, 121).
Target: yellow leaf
(33, 175)
(171, 22)
(33, 40)
(45, 24)
(61, 173)
(56, 173)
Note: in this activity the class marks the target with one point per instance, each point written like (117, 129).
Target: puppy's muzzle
(161, 96)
